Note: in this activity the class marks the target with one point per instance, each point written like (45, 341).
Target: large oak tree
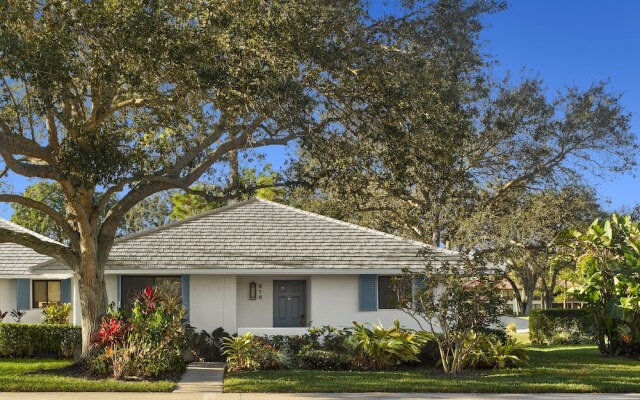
(114, 101)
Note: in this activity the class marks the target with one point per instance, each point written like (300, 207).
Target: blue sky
(565, 42)
(576, 42)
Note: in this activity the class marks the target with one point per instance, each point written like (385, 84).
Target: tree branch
(51, 248)
(39, 206)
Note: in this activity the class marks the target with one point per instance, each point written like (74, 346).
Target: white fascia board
(247, 271)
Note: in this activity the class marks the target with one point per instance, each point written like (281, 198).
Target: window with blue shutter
(65, 291)
(368, 292)
(186, 294)
(23, 294)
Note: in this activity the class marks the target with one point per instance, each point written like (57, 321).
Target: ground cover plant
(38, 375)
(575, 369)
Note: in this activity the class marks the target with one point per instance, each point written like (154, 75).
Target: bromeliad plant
(607, 259)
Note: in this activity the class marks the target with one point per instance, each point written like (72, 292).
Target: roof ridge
(359, 227)
(21, 228)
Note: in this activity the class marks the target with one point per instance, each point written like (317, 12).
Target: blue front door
(289, 303)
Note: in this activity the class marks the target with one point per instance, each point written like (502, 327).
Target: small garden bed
(37, 375)
(574, 369)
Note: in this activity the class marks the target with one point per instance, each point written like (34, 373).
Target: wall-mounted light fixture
(252, 291)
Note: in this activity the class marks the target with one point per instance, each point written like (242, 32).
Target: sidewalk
(311, 396)
(202, 377)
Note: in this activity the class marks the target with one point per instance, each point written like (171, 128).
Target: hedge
(39, 340)
(560, 326)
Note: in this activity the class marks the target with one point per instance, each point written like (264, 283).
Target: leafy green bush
(559, 326)
(39, 340)
(489, 351)
(248, 352)
(146, 344)
(325, 360)
(57, 314)
(381, 348)
(205, 346)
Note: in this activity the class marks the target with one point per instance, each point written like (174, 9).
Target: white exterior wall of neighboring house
(7, 296)
(8, 300)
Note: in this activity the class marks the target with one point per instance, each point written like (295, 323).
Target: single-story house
(255, 265)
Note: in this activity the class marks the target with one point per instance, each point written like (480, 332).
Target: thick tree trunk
(520, 305)
(93, 300)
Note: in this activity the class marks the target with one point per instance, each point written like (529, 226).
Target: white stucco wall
(335, 301)
(213, 302)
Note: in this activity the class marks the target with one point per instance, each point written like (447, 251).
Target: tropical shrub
(206, 346)
(512, 327)
(558, 326)
(147, 343)
(57, 314)
(17, 315)
(607, 259)
(248, 352)
(39, 340)
(380, 348)
(238, 352)
(454, 302)
(489, 351)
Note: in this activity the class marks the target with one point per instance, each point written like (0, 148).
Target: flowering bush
(147, 343)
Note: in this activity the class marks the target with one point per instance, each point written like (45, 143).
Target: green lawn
(551, 369)
(31, 376)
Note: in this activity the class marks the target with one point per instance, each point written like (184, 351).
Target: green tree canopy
(131, 98)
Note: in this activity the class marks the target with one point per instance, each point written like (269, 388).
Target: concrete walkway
(202, 377)
(309, 396)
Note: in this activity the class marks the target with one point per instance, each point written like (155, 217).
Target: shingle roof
(16, 259)
(260, 234)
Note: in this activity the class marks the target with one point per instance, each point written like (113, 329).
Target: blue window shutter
(368, 292)
(420, 282)
(119, 291)
(65, 291)
(186, 293)
(23, 294)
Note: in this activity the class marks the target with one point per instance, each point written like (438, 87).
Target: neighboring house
(562, 301)
(253, 266)
(24, 290)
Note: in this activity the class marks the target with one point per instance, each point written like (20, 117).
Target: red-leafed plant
(111, 332)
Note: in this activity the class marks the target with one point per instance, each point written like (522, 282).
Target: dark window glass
(387, 296)
(132, 285)
(45, 293)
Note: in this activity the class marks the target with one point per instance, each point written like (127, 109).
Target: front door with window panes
(289, 299)
(46, 293)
